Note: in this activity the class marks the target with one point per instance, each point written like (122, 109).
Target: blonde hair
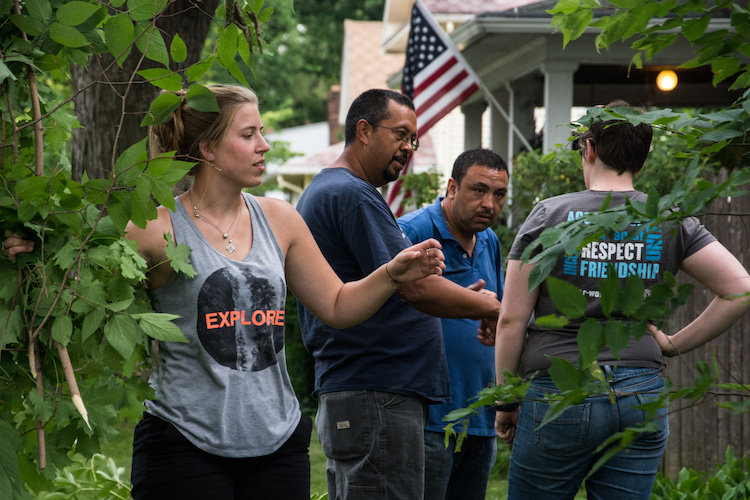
(186, 128)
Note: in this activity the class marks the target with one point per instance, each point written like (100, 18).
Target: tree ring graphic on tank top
(245, 337)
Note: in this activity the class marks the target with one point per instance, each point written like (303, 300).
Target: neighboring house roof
(473, 6)
(363, 65)
(397, 13)
(423, 159)
(305, 139)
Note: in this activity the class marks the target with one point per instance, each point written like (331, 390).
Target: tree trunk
(99, 107)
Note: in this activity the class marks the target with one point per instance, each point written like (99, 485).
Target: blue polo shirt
(471, 364)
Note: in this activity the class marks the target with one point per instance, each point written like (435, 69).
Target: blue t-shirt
(471, 364)
(398, 349)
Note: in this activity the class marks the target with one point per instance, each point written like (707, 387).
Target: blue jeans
(551, 462)
(374, 442)
(457, 476)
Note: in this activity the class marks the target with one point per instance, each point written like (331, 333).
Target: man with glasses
(374, 380)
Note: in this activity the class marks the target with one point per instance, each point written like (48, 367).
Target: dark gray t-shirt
(650, 254)
(227, 390)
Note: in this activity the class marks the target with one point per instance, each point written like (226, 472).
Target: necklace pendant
(226, 235)
(230, 247)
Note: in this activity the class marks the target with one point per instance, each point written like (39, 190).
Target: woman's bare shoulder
(284, 219)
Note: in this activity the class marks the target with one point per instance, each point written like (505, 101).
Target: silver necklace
(230, 247)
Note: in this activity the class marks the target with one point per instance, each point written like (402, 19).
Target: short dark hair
(621, 145)
(484, 157)
(371, 105)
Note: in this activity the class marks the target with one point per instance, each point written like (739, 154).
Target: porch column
(473, 124)
(558, 100)
(500, 129)
(525, 92)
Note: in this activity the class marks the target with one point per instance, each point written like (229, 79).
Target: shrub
(729, 482)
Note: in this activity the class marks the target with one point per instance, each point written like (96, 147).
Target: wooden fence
(700, 434)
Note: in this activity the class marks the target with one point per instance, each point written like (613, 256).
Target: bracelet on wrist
(395, 284)
(507, 407)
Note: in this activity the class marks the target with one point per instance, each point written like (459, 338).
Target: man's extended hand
(486, 330)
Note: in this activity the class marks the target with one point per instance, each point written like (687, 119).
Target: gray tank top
(227, 390)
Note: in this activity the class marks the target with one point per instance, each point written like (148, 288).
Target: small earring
(211, 158)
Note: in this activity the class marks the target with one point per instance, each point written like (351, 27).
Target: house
(364, 66)
(520, 59)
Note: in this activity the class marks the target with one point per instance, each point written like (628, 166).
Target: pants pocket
(344, 425)
(564, 434)
(662, 421)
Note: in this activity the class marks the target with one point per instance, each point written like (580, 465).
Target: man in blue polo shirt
(461, 222)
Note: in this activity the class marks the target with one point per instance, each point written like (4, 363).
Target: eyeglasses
(413, 141)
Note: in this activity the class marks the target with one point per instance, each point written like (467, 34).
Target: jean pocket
(661, 419)
(566, 433)
(344, 425)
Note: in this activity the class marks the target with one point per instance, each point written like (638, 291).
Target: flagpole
(488, 95)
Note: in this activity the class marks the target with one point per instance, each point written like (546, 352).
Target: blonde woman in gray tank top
(226, 423)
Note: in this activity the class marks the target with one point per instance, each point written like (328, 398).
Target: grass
(121, 451)
(496, 489)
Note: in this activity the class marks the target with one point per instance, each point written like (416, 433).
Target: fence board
(700, 434)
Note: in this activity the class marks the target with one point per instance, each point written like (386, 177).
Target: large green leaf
(567, 297)
(75, 12)
(160, 326)
(119, 208)
(150, 42)
(565, 375)
(41, 10)
(177, 170)
(163, 106)
(163, 193)
(33, 188)
(590, 341)
(178, 49)
(632, 295)
(226, 48)
(119, 35)
(617, 336)
(179, 257)
(11, 326)
(552, 321)
(132, 156)
(27, 24)
(91, 323)
(62, 329)
(163, 78)
(122, 334)
(197, 70)
(201, 98)
(132, 265)
(11, 445)
(142, 10)
(724, 67)
(67, 36)
(609, 293)
(693, 29)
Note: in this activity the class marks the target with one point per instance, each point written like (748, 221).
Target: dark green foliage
(302, 56)
(300, 363)
(77, 301)
(730, 481)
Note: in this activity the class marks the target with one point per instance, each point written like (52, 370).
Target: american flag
(436, 77)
